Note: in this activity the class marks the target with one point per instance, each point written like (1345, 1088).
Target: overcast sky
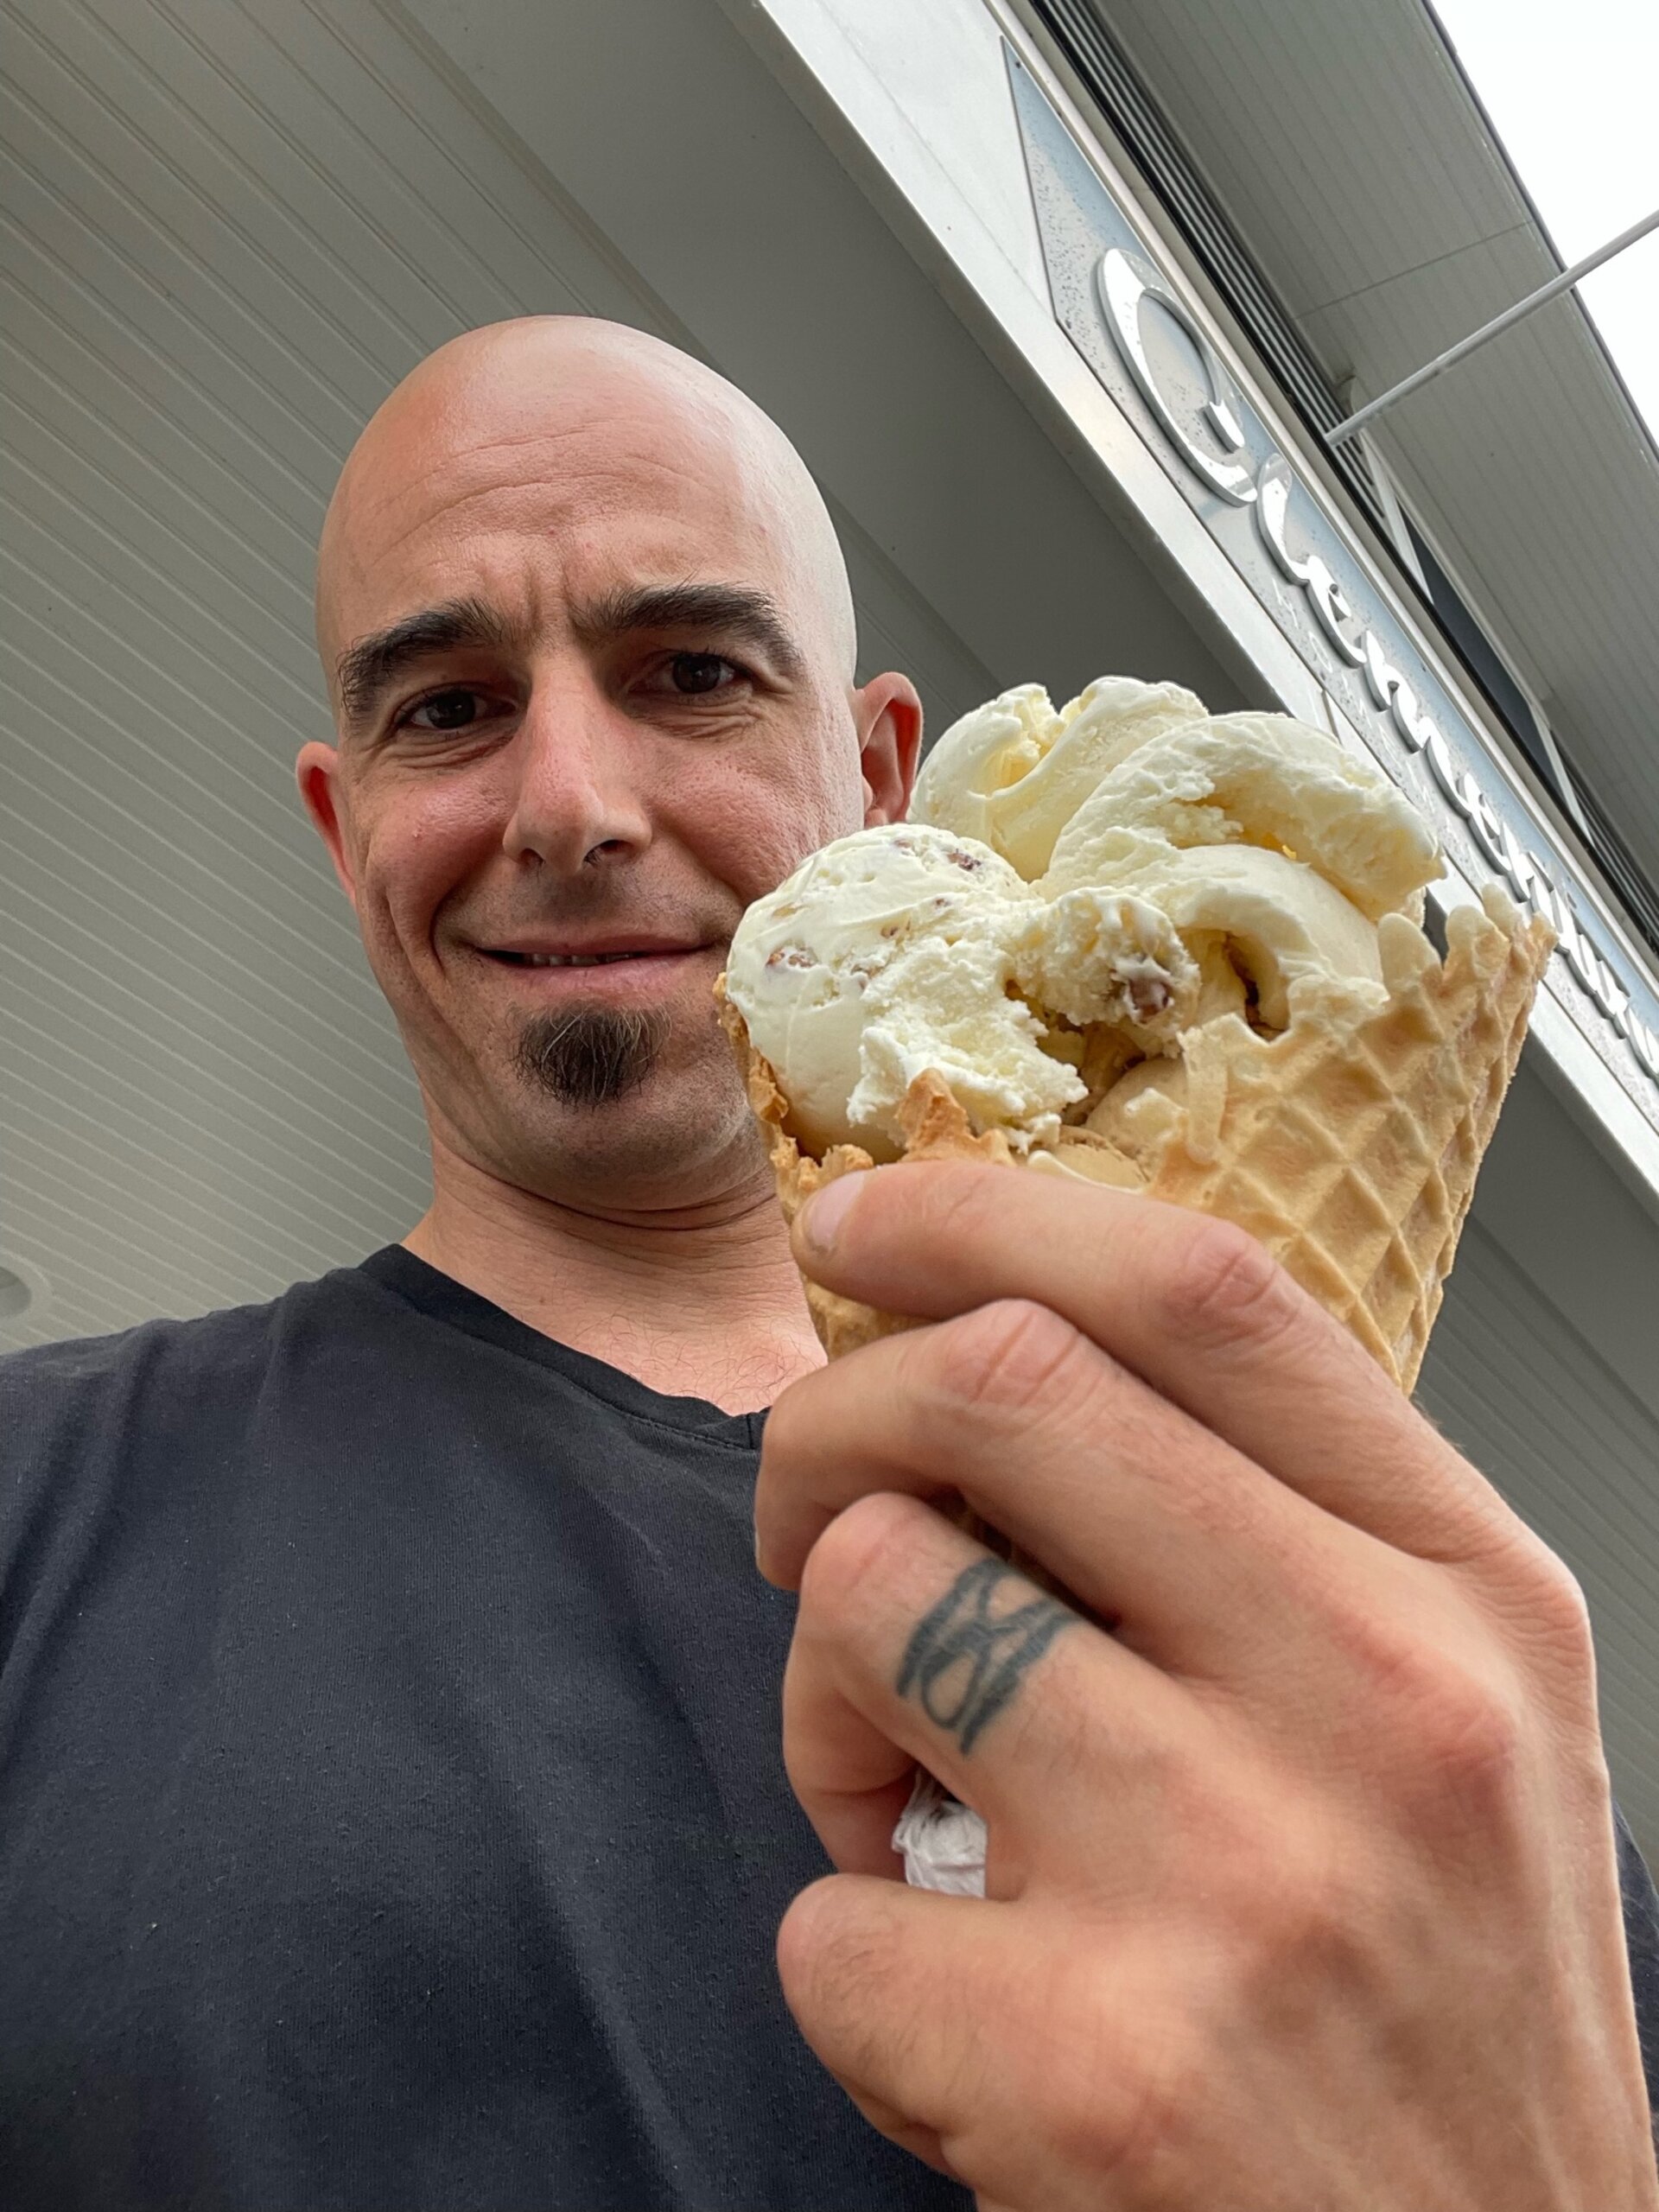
(1573, 90)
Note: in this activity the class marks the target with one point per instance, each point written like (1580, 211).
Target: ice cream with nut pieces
(1177, 952)
(907, 948)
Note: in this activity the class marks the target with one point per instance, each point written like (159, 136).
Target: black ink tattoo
(964, 1662)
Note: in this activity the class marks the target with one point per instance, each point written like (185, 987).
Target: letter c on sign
(1126, 283)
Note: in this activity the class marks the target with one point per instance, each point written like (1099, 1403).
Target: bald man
(395, 1812)
(589, 642)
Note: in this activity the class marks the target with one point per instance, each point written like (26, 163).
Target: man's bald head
(564, 389)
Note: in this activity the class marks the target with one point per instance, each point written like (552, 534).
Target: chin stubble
(590, 1056)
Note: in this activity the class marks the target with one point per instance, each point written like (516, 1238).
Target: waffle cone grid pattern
(1352, 1155)
(1350, 1151)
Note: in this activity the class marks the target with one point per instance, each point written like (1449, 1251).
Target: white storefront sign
(1150, 349)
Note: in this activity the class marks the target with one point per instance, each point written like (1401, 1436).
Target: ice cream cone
(1348, 1146)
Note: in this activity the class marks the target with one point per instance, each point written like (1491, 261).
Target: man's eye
(696, 672)
(456, 708)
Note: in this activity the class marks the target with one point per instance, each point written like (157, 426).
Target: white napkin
(943, 1842)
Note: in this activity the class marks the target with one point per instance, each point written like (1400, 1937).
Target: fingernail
(826, 1209)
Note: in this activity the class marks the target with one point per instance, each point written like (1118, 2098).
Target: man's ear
(889, 716)
(317, 773)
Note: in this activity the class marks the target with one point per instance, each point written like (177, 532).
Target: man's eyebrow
(365, 669)
(737, 611)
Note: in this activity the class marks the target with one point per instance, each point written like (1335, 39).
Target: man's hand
(1302, 1893)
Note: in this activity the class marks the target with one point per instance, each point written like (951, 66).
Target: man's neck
(700, 1302)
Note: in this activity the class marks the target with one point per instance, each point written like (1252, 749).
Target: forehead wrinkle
(639, 442)
(599, 488)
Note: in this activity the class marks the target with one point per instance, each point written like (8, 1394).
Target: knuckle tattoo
(967, 1658)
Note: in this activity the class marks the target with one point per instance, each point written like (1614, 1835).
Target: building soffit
(1355, 163)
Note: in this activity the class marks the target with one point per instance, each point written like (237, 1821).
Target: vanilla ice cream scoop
(1262, 780)
(1272, 852)
(1245, 909)
(1014, 772)
(906, 948)
(1077, 898)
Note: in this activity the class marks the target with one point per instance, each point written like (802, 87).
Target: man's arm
(1302, 1885)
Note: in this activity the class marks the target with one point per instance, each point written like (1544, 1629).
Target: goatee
(591, 1055)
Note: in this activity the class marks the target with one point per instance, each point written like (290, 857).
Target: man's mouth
(589, 955)
(577, 959)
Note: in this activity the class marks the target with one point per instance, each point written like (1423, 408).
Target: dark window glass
(1483, 663)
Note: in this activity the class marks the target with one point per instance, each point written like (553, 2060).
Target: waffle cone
(1352, 1152)
(1349, 1144)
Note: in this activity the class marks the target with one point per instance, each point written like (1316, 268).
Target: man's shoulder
(71, 1365)
(179, 1365)
(159, 1427)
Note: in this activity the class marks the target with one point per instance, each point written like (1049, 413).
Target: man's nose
(576, 801)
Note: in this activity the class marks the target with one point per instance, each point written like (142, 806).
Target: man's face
(591, 702)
